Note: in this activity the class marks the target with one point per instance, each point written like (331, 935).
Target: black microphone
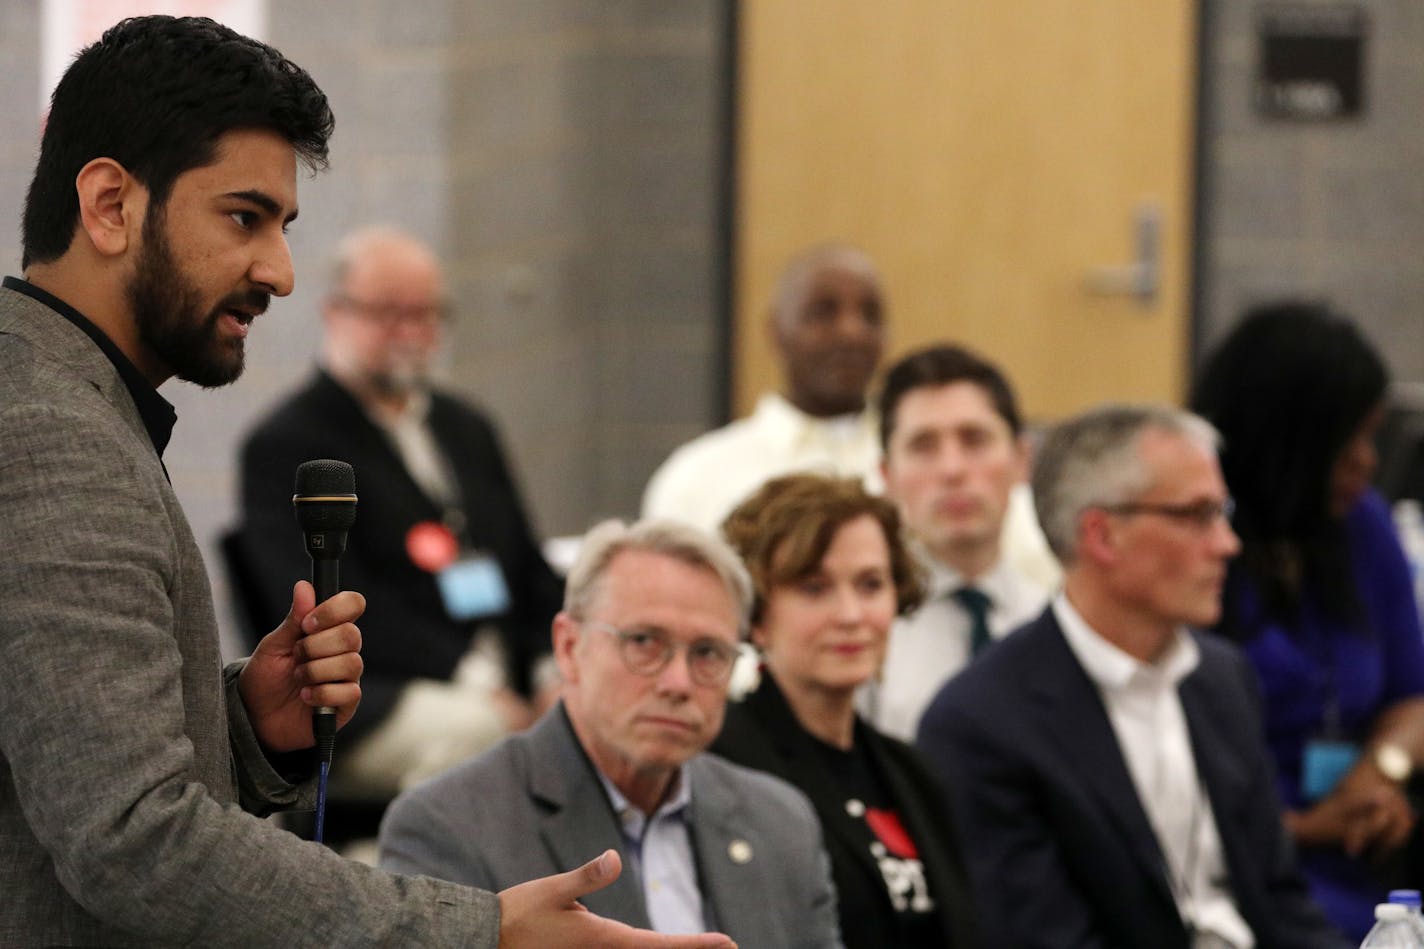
(325, 503)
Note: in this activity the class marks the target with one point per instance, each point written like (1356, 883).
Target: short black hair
(1287, 388)
(943, 365)
(155, 94)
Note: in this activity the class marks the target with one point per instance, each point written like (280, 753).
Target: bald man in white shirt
(827, 321)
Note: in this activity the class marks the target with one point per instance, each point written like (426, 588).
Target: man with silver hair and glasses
(1110, 772)
(652, 618)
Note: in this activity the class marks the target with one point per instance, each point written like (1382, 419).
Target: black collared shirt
(157, 413)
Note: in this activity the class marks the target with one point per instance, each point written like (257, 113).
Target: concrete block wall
(19, 146)
(1327, 210)
(564, 158)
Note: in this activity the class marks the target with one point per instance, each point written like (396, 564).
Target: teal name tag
(1324, 764)
(473, 588)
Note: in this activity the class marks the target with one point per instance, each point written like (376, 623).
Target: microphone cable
(324, 729)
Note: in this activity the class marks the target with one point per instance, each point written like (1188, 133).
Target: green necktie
(976, 603)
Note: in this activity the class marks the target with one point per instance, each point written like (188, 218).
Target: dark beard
(167, 306)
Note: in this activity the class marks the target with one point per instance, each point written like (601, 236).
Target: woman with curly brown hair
(831, 573)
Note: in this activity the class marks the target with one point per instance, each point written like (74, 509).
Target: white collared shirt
(1145, 709)
(661, 849)
(704, 479)
(932, 644)
(414, 441)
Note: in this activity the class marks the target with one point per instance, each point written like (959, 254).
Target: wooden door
(995, 159)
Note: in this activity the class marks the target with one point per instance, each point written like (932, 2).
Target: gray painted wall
(1328, 210)
(565, 158)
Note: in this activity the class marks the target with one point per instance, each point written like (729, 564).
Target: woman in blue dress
(1320, 597)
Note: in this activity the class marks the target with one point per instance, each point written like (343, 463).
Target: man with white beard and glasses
(459, 596)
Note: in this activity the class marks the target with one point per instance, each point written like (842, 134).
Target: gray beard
(400, 381)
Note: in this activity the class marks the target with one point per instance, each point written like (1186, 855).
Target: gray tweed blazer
(129, 775)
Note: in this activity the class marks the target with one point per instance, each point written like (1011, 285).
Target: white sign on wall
(67, 26)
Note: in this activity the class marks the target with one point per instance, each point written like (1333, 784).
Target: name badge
(473, 588)
(1323, 765)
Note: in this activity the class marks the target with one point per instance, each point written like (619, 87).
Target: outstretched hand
(546, 914)
(312, 659)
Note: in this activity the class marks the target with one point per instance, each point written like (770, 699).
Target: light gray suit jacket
(127, 763)
(533, 805)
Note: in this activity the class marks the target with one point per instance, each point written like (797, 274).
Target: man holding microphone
(131, 761)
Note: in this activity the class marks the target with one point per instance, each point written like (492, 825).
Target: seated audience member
(1321, 597)
(827, 325)
(830, 572)
(1111, 779)
(441, 549)
(645, 645)
(954, 454)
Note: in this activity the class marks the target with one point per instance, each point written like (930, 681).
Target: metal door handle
(1142, 278)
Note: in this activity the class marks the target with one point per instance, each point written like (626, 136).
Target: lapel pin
(740, 851)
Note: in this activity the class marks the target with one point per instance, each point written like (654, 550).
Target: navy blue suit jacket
(1061, 852)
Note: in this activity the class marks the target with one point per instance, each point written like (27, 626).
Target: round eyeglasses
(648, 651)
